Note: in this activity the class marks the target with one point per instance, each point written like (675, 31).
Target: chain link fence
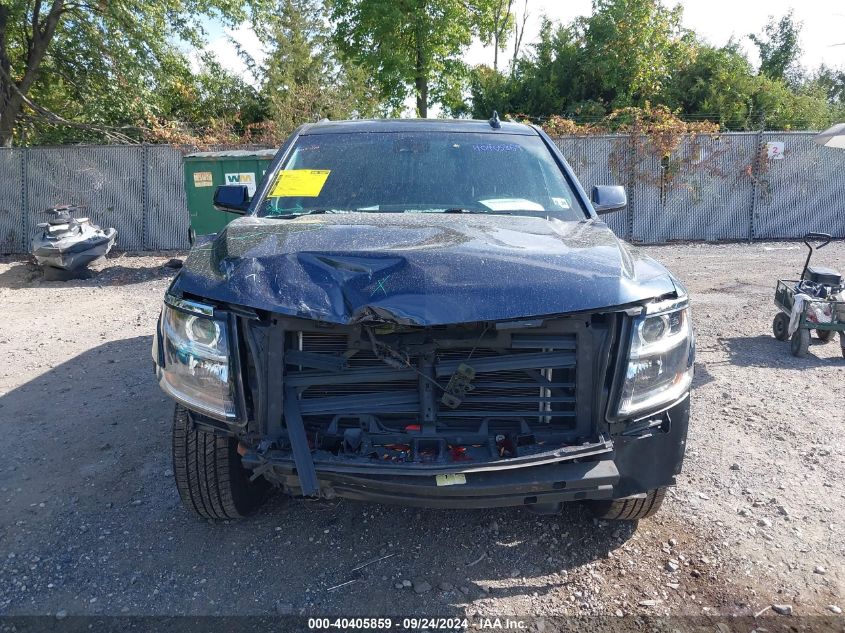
(138, 190)
(737, 186)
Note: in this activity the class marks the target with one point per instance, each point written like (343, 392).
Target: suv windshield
(421, 172)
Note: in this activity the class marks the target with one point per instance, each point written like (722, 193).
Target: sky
(714, 20)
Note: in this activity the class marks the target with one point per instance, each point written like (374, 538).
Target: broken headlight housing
(660, 364)
(195, 355)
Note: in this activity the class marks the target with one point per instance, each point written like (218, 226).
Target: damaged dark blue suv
(430, 313)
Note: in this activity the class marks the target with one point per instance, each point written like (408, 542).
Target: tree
(549, 80)
(780, 48)
(830, 81)
(120, 49)
(778, 107)
(545, 81)
(716, 83)
(626, 53)
(503, 21)
(635, 54)
(630, 49)
(519, 34)
(304, 78)
(199, 100)
(188, 101)
(489, 90)
(411, 46)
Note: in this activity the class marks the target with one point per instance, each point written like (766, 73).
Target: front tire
(629, 509)
(800, 342)
(212, 482)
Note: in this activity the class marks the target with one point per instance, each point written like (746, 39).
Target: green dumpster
(205, 171)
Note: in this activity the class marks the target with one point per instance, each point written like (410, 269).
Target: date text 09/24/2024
(418, 623)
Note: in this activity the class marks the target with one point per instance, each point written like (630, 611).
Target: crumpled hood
(420, 268)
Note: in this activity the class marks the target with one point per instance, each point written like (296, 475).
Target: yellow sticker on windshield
(305, 183)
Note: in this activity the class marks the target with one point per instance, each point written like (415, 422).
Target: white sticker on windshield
(511, 204)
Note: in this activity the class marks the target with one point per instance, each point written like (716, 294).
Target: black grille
(519, 379)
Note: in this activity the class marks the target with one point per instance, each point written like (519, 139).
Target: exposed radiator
(530, 381)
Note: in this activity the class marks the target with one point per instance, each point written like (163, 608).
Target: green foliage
(719, 84)
(624, 54)
(829, 82)
(779, 107)
(715, 83)
(100, 65)
(780, 49)
(496, 26)
(635, 53)
(203, 99)
(120, 71)
(490, 90)
(548, 81)
(411, 46)
(630, 49)
(304, 78)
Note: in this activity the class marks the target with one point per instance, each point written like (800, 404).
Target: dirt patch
(92, 524)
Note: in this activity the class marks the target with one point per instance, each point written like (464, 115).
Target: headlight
(660, 366)
(195, 350)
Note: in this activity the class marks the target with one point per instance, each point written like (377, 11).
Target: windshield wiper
(298, 214)
(480, 211)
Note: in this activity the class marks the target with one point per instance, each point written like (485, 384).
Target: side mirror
(232, 199)
(607, 199)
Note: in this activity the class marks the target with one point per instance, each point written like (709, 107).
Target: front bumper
(528, 486)
(636, 464)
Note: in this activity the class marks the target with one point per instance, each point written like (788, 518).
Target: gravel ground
(91, 522)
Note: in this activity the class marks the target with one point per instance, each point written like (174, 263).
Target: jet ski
(66, 245)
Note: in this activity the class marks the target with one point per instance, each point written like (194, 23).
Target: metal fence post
(25, 199)
(632, 176)
(145, 196)
(755, 176)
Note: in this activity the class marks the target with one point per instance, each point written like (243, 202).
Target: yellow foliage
(219, 133)
(651, 131)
